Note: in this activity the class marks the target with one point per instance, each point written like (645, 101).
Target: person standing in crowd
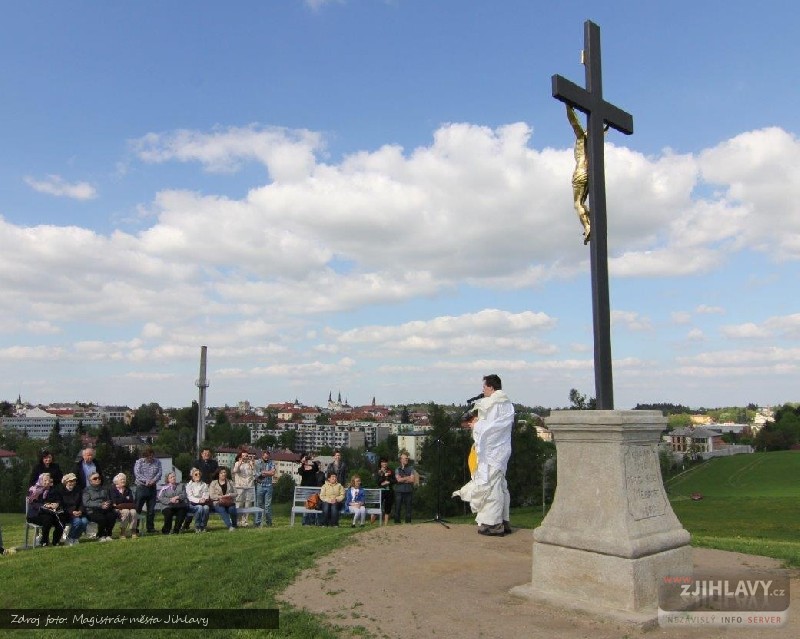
(43, 507)
(46, 465)
(487, 491)
(85, 467)
(244, 476)
(355, 502)
(309, 476)
(125, 506)
(264, 474)
(403, 488)
(332, 496)
(207, 465)
(147, 473)
(384, 478)
(338, 468)
(74, 517)
(98, 507)
(308, 471)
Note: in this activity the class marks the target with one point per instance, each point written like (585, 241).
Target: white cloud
(784, 327)
(59, 187)
(695, 335)
(757, 169)
(705, 309)
(681, 317)
(287, 154)
(631, 320)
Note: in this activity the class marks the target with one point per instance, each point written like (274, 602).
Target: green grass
(750, 504)
(244, 569)
(774, 474)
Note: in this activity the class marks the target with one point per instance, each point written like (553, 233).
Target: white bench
(372, 501)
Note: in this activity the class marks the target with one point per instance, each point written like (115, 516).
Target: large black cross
(599, 113)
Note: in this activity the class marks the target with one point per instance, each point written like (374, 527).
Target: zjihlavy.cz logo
(752, 599)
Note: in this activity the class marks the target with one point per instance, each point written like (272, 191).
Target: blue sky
(373, 198)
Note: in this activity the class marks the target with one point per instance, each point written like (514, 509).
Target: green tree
(283, 490)
(578, 401)
(525, 467)
(288, 439)
(266, 441)
(55, 442)
(443, 463)
(387, 449)
(147, 418)
(679, 420)
(781, 434)
(6, 409)
(184, 462)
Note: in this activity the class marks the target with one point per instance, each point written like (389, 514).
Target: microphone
(470, 407)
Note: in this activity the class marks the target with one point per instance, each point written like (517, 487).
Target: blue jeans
(264, 501)
(228, 514)
(77, 526)
(200, 513)
(330, 513)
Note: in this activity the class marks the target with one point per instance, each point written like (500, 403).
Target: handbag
(127, 505)
(313, 502)
(226, 500)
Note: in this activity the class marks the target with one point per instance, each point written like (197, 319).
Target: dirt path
(423, 580)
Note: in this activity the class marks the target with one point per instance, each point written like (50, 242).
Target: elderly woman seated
(199, 500)
(125, 506)
(172, 496)
(43, 509)
(74, 517)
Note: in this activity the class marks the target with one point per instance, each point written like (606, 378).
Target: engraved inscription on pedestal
(646, 496)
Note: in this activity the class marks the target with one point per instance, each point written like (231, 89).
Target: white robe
(487, 491)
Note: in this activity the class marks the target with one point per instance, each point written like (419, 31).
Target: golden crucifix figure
(580, 176)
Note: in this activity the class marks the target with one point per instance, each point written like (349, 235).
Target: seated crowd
(63, 505)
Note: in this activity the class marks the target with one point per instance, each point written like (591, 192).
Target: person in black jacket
(74, 516)
(85, 467)
(310, 474)
(207, 465)
(308, 471)
(46, 465)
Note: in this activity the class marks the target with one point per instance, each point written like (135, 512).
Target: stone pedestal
(611, 535)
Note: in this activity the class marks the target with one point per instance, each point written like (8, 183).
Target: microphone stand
(437, 518)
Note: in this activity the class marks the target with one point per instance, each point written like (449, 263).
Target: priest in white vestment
(487, 491)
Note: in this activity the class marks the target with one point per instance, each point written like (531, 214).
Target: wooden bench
(372, 501)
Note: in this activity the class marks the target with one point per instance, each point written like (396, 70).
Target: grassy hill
(758, 475)
(750, 504)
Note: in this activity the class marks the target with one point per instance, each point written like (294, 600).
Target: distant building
(412, 443)
(702, 442)
(38, 423)
(7, 457)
